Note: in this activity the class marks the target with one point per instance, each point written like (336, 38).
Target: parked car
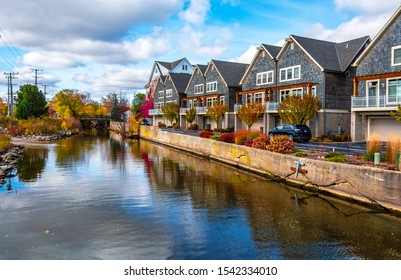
(295, 132)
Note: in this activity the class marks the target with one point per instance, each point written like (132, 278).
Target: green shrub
(335, 157)
(215, 137)
(161, 124)
(193, 126)
(301, 154)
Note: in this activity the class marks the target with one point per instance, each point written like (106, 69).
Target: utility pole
(45, 86)
(10, 104)
(36, 75)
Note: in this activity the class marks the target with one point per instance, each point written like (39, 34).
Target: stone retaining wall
(380, 188)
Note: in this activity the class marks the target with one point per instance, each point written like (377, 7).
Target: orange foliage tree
(216, 111)
(299, 110)
(250, 112)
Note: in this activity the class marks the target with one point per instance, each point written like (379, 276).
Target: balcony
(200, 110)
(383, 103)
(271, 107)
(155, 112)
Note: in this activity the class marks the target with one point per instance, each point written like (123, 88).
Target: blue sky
(102, 46)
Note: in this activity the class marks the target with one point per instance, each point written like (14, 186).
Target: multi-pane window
(290, 73)
(396, 56)
(198, 89)
(222, 100)
(161, 94)
(185, 67)
(211, 101)
(169, 93)
(296, 91)
(394, 90)
(258, 97)
(211, 87)
(264, 78)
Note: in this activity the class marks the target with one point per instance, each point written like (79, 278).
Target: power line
(10, 77)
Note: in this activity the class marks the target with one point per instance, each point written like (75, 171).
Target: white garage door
(384, 127)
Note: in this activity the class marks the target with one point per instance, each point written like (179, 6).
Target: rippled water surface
(97, 197)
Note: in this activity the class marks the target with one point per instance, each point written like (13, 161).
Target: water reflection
(99, 197)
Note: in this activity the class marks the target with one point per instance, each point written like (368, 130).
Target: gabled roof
(272, 51)
(379, 35)
(170, 65)
(329, 56)
(180, 81)
(230, 72)
(198, 67)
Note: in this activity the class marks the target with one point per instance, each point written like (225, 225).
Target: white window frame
(393, 49)
(292, 71)
(262, 78)
(291, 92)
(210, 101)
(169, 92)
(184, 67)
(160, 105)
(198, 89)
(398, 92)
(161, 94)
(222, 100)
(260, 96)
(211, 87)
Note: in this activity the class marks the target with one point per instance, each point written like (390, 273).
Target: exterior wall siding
(339, 89)
(157, 99)
(175, 96)
(196, 80)
(262, 64)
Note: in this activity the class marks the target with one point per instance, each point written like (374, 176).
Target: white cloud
(247, 56)
(368, 6)
(196, 12)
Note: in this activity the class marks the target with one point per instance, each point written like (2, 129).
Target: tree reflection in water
(32, 164)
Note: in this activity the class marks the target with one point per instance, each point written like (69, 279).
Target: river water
(98, 197)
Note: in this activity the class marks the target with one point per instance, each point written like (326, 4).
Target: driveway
(350, 148)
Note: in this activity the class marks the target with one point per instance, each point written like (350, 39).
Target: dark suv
(295, 132)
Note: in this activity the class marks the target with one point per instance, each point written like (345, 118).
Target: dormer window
(184, 67)
(396, 56)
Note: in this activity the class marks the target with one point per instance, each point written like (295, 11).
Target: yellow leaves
(250, 112)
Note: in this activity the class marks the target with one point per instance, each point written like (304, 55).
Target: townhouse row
(358, 83)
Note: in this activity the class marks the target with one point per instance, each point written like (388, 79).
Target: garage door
(384, 127)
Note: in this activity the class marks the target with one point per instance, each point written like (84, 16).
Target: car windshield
(301, 126)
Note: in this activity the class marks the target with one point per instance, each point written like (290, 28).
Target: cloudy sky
(103, 46)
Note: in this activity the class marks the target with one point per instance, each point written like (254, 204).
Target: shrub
(5, 141)
(215, 137)
(242, 135)
(393, 146)
(176, 126)
(335, 157)
(374, 145)
(206, 134)
(248, 142)
(193, 126)
(301, 154)
(161, 124)
(261, 142)
(281, 144)
(14, 131)
(227, 137)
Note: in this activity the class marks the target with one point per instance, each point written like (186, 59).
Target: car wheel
(290, 137)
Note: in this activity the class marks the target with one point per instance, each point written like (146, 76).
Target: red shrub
(242, 135)
(261, 142)
(206, 134)
(281, 144)
(248, 142)
(227, 137)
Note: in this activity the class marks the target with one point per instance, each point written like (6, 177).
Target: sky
(103, 46)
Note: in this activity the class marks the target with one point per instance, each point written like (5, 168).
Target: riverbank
(376, 188)
(8, 162)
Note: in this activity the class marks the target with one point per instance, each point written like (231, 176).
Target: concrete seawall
(376, 187)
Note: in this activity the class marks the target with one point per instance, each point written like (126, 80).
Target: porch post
(237, 98)
(355, 86)
(309, 89)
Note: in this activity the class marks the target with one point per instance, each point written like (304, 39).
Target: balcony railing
(200, 110)
(155, 112)
(363, 102)
(270, 107)
(183, 111)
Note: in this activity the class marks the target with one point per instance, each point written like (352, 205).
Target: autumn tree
(397, 114)
(250, 112)
(190, 115)
(299, 110)
(170, 111)
(116, 105)
(216, 111)
(3, 108)
(146, 106)
(31, 102)
(69, 103)
(137, 102)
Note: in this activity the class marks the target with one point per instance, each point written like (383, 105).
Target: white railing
(374, 102)
(183, 111)
(200, 110)
(155, 112)
(272, 106)
(236, 107)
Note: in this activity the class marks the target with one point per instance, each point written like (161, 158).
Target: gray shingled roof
(273, 50)
(170, 65)
(180, 81)
(202, 68)
(231, 72)
(332, 56)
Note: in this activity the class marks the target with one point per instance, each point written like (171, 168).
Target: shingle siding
(174, 97)
(196, 80)
(262, 64)
(339, 89)
(378, 60)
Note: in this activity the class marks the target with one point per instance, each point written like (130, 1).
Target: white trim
(211, 86)
(267, 78)
(377, 91)
(387, 90)
(169, 92)
(291, 92)
(160, 94)
(293, 73)
(393, 49)
(201, 86)
(222, 100)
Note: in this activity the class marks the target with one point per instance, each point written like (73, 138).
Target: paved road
(349, 148)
